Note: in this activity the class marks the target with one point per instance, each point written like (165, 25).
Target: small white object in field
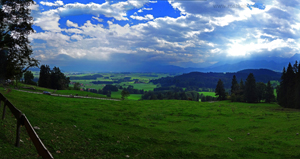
(127, 156)
(75, 126)
(36, 128)
(118, 141)
(230, 138)
(21, 140)
(297, 134)
(248, 134)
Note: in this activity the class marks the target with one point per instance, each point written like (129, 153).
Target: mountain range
(69, 64)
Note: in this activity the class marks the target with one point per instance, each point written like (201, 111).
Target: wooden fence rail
(22, 120)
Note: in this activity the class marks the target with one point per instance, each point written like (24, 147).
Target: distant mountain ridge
(69, 64)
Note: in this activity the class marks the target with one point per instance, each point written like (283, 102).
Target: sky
(185, 33)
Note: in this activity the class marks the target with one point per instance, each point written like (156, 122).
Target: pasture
(89, 128)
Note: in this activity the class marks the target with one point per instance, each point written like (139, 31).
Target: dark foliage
(174, 89)
(161, 95)
(15, 26)
(250, 89)
(131, 90)
(28, 78)
(288, 92)
(124, 94)
(53, 79)
(220, 91)
(110, 87)
(44, 80)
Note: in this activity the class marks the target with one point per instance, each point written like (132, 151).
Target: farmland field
(89, 128)
(213, 94)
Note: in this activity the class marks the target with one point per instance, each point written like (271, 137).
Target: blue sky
(192, 33)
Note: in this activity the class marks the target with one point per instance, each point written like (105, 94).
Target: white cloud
(71, 24)
(141, 10)
(48, 21)
(76, 37)
(98, 19)
(34, 7)
(199, 33)
(55, 4)
(146, 17)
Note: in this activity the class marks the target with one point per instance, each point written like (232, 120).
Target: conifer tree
(44, 79)
(290, 81)
(297, 88)
(250, 89)
(234, 85)
(282, 89)
(269, 93)
(220, 91)
(261, 91)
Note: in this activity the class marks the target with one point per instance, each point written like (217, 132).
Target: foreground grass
(88, 128)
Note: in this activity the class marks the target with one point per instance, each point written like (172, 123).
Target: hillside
(88, 128)
(209, 80)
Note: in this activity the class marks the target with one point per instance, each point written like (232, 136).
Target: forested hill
(210, 80)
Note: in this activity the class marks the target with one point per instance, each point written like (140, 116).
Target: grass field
(213, 94)
(131, 97)
(141, 76)
(89, 128)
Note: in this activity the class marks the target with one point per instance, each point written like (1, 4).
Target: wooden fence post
(20, 121)
(4, 109)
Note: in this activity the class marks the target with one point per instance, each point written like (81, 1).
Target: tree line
(288, 92)
(250, 92)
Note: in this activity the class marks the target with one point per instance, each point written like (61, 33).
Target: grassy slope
(158, 129)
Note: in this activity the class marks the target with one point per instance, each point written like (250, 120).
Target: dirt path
(68, 96)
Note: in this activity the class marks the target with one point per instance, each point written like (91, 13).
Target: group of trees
(288, 92)
(53, 79)
(15, 50)
(251, 91)
(130, 89)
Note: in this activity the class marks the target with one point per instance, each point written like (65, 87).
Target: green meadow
(213, 94)
(90, 128)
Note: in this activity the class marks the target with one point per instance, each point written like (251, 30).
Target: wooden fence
(22, 120)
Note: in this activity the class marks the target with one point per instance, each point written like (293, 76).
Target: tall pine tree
(44, 79)
(288, 92)
(234, 85)
(269, 93)
(250, 89)
(220, 91)
(290, 77)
